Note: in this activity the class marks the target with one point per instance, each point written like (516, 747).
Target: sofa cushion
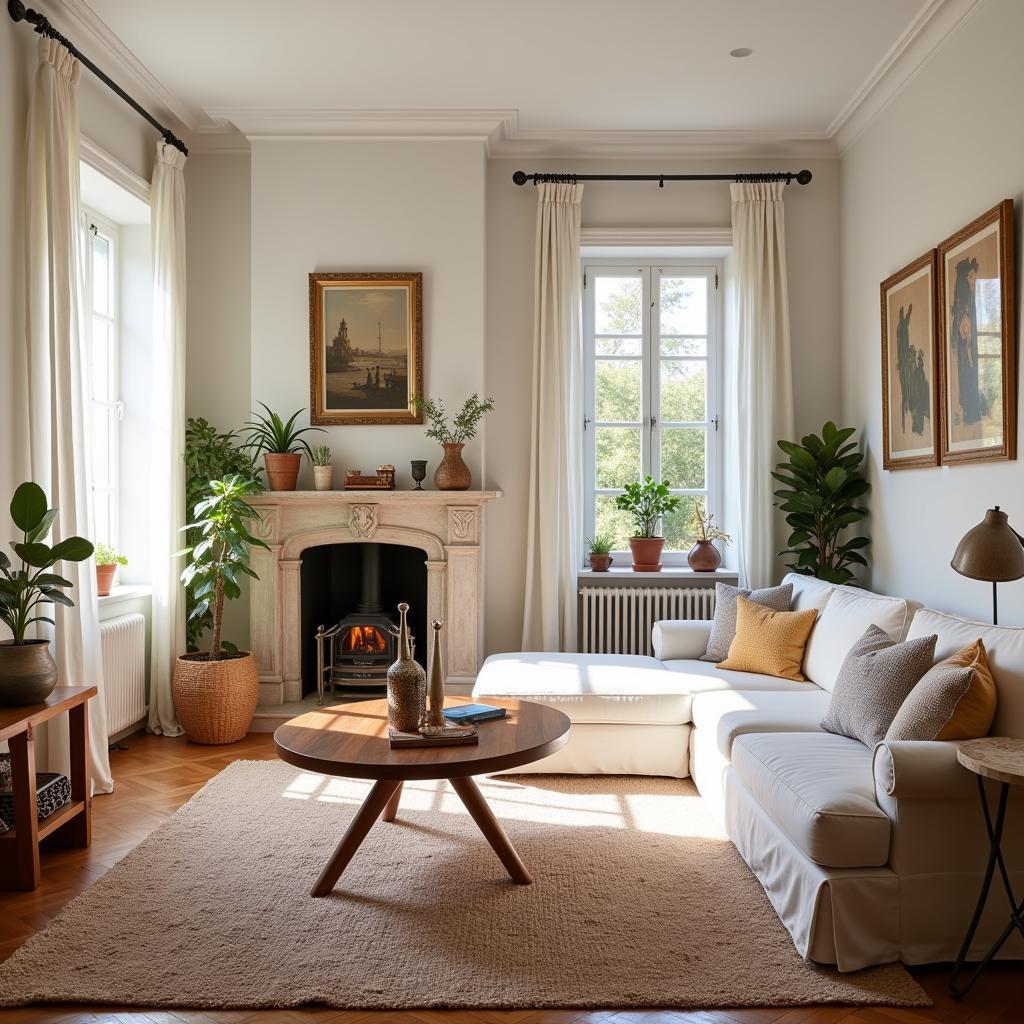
(705, 677)
(590, 688)
(769, 642)
(808, 591)
(723, 627)
(819, 789)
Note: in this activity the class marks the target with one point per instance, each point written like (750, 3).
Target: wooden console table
(19, 848)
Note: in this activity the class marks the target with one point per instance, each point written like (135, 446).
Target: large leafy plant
(647, 502)
(821, 484)
(463, 426)
(23, 589)
(271, 434)
(221, 556)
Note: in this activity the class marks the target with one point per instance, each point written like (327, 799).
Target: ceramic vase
(407, 682)
(704, 557)
(323, 477)
(452, 474)
(28, 673)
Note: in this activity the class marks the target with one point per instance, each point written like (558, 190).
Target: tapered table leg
(382, 792)
(391, 807)
(475, 803)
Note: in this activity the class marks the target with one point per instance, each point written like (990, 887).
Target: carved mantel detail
(463, 526)
(363, 521)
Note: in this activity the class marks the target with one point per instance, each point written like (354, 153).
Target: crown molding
(112, 168)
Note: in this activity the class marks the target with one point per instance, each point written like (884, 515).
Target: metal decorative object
(407, 682)
(435, 690)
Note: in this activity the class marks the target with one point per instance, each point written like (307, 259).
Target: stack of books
(450, 736)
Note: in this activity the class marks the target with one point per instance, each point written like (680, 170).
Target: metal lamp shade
(991, 551)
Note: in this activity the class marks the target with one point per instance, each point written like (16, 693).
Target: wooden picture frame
(365, 348)
(978, 340)
(911, 410)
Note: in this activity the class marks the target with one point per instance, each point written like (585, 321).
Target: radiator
(618, 620)
(123, 643)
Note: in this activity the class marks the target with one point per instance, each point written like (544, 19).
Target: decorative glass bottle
(407, 682)
(435, 688)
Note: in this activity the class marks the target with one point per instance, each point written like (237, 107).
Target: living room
(653, 397)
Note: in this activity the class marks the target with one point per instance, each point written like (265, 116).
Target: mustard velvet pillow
(768, 641)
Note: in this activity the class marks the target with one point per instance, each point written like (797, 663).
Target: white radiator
(123, 642)
(618, 620)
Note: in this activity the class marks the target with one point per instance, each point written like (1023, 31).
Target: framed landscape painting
(365, 347)
(978, 340)
(910, 368)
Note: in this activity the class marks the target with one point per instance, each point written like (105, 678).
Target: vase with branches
(704, 556)
(452, 474)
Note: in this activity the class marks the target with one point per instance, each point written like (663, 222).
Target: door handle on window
(654, 422)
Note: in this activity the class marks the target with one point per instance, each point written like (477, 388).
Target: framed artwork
(978, 333)
(910, 366)
(365, 347)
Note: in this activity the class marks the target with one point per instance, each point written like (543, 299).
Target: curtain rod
(800, 177)
(19, 12)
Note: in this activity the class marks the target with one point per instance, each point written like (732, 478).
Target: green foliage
(702, 525)
(647, 503)
(600, 544)
(106, 555)
(821, 483)
(221, 557)
(270, 433)
(320, 454)
(464, 425)
(23, 589)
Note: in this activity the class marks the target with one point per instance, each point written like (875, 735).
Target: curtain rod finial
(520, 177)
(804, 177)
(16, 9)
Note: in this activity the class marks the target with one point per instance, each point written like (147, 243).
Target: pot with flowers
(107, 561)
(704, 556)
(647, 502)
(452, 474)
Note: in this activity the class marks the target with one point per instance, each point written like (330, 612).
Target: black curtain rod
(800, 177)
(19, 12)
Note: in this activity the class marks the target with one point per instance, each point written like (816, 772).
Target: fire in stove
(368, 640)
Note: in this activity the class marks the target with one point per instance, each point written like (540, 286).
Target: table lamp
(992, 551)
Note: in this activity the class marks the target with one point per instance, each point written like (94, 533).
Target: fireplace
(365, 646)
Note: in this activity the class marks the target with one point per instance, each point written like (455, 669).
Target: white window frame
(650, 273)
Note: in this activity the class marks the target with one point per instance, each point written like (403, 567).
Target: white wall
(946, 149)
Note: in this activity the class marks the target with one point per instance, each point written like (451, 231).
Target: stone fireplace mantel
(446, 525)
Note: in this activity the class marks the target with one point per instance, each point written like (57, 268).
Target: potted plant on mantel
(704, 556)
(647, 503)
(452, 474)
(28, 673)
(281, 445)
(215, 693)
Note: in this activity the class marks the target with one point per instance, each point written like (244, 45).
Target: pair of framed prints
(949, 350)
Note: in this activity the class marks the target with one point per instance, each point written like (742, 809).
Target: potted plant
(704, 556)
(322, 469)
(648, 503)
(281, 445)
(452, 474)
(599, 547)
(107, 561)
(28, 673)
(216, 692)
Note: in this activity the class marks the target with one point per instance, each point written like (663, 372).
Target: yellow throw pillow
(768, 641)
(975, 710)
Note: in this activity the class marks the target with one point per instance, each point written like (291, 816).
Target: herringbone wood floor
(155, 776)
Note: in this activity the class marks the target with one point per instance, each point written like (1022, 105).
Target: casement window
(652, 346)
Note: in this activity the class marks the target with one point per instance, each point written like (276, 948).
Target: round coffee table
(351, 740)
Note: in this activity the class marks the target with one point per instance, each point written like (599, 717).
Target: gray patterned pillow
(723, 629)
(932, 703)
(873, 683)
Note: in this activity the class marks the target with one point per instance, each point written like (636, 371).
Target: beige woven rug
(638, 901)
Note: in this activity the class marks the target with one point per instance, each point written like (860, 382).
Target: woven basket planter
(215, 700)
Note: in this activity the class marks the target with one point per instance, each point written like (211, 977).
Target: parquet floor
(155, 776)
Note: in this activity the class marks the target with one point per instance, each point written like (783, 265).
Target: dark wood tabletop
(63, 698)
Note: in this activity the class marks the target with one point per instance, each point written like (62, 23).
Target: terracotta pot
(646, 553)
(704, 557)
(28, 673)
(282, 470)
(215, 700)
(323, 477)
(452, 474)
(600, 563)
(105, 579)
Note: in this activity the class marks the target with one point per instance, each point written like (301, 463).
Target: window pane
(684, 346)
(682, 457)
(101, 446)
(677, 530)
(617, 305)
(102, 339)
(618, 456)
(100, 275)
(683, 388)
(617, 390)
(684, 305)
(618, 346)
(611, 522)
(101, 507)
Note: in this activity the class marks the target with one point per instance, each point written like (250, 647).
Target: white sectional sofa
(868, 856)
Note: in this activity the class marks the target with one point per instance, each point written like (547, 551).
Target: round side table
(1001, 759)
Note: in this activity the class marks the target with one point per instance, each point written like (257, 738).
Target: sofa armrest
(921, 770)
(674, 639)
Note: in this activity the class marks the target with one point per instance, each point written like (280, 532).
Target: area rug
(638, 901)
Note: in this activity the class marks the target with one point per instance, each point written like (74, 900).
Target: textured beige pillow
(768, 641)
(723, 629)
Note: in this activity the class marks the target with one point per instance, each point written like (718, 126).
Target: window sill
(119, 594)
(669, 572)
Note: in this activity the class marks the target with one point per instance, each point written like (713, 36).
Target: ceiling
(545, 66)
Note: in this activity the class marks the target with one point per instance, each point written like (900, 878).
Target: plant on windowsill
(599, 548)
(704, 556)
(281, 444)
(107, 561)
(323, 471)
(452, 474)
(647, 503)
(216, 692)
(27, 670)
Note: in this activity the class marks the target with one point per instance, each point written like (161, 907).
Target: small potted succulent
(281, 444)
(107, 561)
(647, 503)
(452, 474)
(704, 556)
(323, 471)
(600, 547)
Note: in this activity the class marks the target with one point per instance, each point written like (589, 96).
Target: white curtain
(554, 545)
(58, 372)
(764, 376)
(167, 469)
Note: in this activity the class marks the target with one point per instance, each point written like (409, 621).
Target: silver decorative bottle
(407, 682)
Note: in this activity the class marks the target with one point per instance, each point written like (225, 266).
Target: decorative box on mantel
(446, 525)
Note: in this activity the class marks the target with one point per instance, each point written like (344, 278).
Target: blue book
(473, 713)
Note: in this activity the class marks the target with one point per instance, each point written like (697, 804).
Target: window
(651, 338)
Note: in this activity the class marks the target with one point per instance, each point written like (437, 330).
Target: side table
(1001, 759)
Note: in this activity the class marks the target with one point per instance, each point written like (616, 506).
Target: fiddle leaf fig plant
(821, 483)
